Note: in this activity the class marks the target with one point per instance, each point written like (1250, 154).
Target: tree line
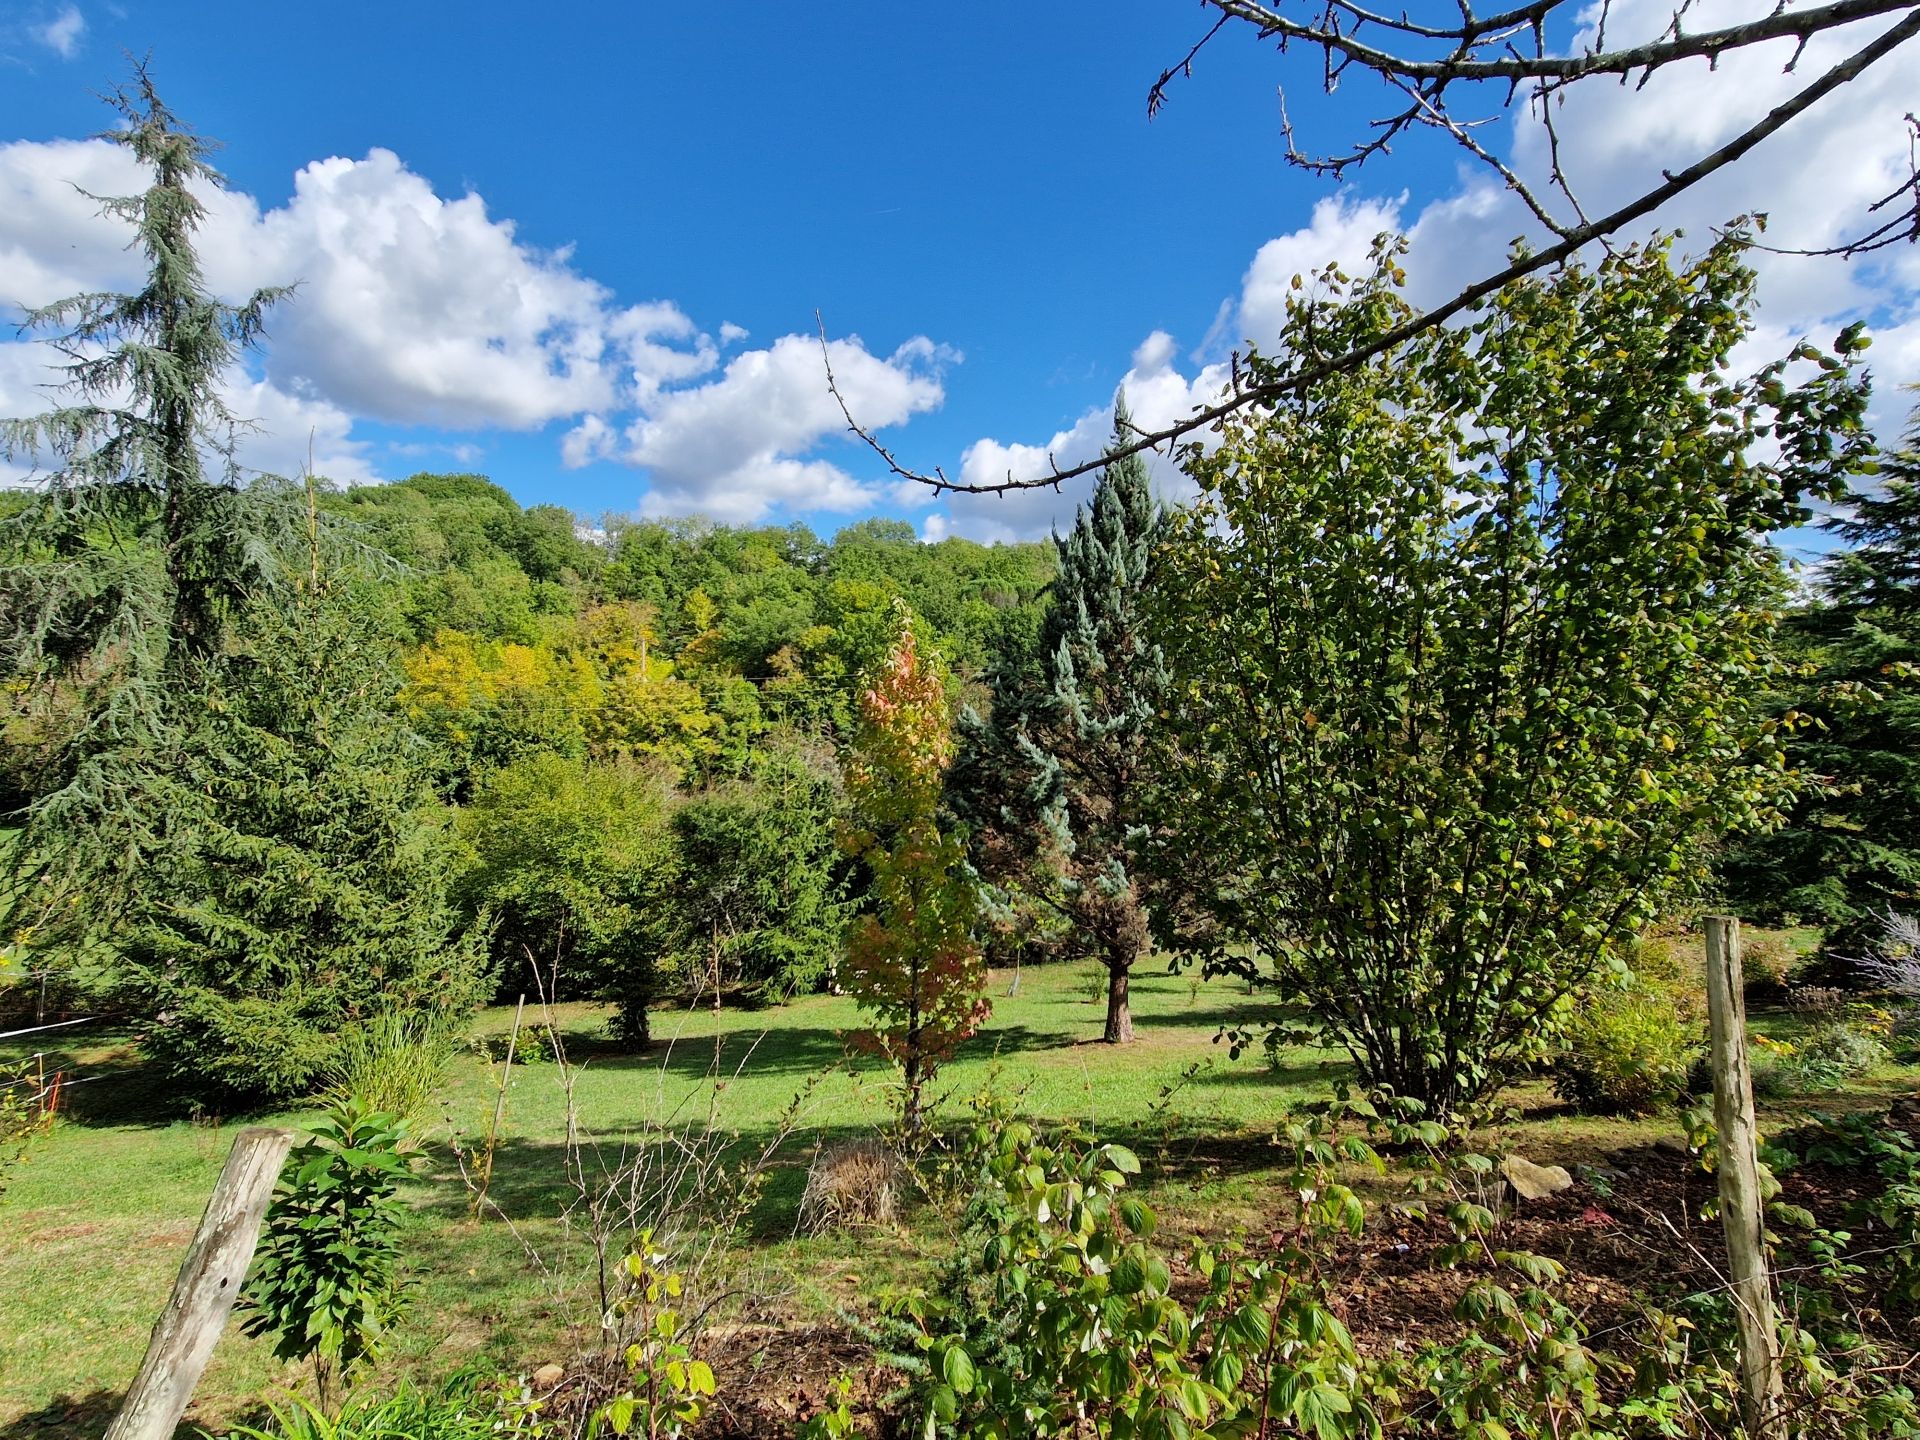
(1469, 662)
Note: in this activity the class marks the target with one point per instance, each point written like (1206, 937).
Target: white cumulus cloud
(732, 448)
(414, 309)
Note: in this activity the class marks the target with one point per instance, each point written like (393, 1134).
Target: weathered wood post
(1741, 1205)
(208, 1284)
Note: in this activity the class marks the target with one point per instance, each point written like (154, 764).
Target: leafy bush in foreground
(325, 1283)
(1060, 1316)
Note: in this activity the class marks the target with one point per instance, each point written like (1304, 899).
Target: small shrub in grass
(669, 1389)
(472, 1405)
(326, 1284)
(22, 1117)
(1765, 962)
(1630, 1051)
(1836, 1052)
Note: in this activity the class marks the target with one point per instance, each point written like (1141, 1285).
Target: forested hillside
(1412, 753)
(625, 746)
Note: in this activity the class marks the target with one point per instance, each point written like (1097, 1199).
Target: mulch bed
(1642, 1237)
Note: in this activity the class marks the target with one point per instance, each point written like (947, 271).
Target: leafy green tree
(1057, 780)
(758, 897)
(123, 569)
(573, 861)
(911, 958)
(1848, 852)
(1469, 643)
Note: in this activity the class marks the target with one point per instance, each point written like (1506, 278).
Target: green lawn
(93, 1227)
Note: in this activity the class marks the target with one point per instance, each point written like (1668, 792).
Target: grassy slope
(94, 1225)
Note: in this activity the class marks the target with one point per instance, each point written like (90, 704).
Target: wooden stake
(1741, 1205)
(499, 1109)
(208, 1284)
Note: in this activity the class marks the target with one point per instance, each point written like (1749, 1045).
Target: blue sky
(974, 192)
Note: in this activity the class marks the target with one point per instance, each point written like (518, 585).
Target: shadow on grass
(118, 1088)
(771, 1051)
(1248, 1074)
(73, 1417)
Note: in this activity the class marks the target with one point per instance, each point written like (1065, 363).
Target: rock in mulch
(1534, 1182)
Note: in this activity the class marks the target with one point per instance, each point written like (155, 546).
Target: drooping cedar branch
(1430, 68)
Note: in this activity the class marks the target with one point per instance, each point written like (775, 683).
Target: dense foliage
(1061, 1313)
(1469, 643)
(912, 960)
(1848, 853)
(325, 1285)
(303, 879)
(568, 860)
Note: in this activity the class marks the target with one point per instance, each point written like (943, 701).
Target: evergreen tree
(298, 881)
(1056, 781)
(236, 824)
(122, 571)
(1849, 851)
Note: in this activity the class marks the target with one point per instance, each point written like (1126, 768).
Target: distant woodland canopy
(593, 712)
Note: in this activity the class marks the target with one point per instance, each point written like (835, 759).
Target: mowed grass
(94, 1226)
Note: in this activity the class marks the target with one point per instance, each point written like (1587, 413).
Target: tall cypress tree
(1849, 851)
(1056, 781)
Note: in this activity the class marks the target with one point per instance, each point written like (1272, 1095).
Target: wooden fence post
(1741, 1206)
(208, 1284)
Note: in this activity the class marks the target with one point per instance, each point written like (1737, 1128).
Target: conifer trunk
(1119, 1014)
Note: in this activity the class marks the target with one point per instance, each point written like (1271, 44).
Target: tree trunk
(1119, 1016)
(910, 1116)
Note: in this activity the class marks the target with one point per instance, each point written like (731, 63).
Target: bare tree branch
(1473, 37)
(1517, 69)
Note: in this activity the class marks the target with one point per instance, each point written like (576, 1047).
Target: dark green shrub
(1765, 963)
(252, 1048)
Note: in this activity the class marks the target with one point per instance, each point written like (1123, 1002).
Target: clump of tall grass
(393, 1063)
(470, 1406)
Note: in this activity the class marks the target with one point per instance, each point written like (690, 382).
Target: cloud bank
(412, 309)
